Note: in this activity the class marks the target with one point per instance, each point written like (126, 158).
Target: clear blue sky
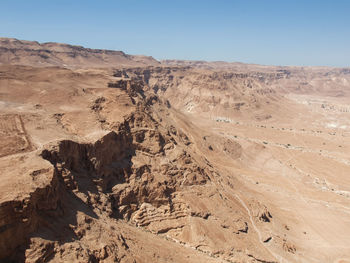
(284, 32)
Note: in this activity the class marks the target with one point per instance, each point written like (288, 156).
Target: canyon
(110, 157)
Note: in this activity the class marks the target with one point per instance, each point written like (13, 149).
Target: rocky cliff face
(146, 172)
(127, 165)
(178, 162)
(19, 218)
(219, 94)
(238, 93)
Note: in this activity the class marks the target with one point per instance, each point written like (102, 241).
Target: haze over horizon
(315, 33)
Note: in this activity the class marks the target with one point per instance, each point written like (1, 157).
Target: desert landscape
(110, 157)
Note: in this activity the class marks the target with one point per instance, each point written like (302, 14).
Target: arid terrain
(109, 157)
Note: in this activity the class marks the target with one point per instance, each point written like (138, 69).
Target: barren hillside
(30, 53)
(107, 157)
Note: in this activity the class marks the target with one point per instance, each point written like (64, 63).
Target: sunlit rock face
(108, 157)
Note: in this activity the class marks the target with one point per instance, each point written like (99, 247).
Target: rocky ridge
(178, 162)
(145, 171)
(20, 52)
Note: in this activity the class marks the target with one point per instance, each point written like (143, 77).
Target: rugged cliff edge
(174, 162)
(146, 172)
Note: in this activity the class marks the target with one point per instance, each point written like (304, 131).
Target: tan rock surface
(178, 162)
(32, 53)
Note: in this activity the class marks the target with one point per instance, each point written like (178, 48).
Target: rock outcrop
(174, 162)
(145, 172)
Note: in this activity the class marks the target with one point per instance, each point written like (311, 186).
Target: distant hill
(32, 53)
